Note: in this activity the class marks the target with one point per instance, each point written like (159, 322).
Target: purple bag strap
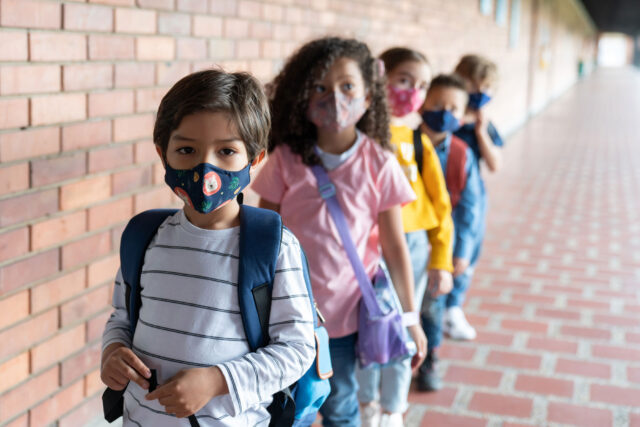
(328, 193)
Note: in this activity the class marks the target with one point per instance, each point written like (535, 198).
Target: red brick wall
(79, 84)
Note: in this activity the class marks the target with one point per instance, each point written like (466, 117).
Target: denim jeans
(461, 283)
(394, 379)
(341, 407)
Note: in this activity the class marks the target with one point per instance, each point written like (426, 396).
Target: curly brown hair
(291, 89)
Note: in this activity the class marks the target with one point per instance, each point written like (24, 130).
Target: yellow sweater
(431, 210)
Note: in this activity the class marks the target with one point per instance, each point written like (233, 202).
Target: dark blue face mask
(478, 100)
(206, 187)
(441, 121)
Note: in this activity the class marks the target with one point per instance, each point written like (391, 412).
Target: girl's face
(344, 76)
(410, 75)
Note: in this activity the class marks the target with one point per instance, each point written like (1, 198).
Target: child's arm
(441, 236)
(491, 152)
(396, 256)
(119, 364)
(467, 217)
(255, 377)
(265, 204)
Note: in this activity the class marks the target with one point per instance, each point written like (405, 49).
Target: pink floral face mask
(404, 101)
(335, 112)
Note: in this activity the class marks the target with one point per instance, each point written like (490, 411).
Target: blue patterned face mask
(478, 100)
(206, 187)
(441, 121)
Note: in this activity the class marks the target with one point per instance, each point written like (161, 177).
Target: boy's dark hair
(291, 89)
(452, 81)
(477, 68)
(238, 94)
(397, 55)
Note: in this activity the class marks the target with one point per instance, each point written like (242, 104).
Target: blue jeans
(461, 283)
(341, 407)
(394, 378)
(431, 317)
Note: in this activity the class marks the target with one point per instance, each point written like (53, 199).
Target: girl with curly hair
(329, 108)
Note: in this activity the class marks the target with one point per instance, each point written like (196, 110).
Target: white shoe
(370, 415)
(455, 325)
(392, 420)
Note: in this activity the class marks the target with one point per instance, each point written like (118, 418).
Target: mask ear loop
(380, 69)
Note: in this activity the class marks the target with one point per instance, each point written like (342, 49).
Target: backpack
(455, 176)
(296, 405)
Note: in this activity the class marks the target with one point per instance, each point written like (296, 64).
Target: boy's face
(477, 86)
(207, 137)
(446, 98)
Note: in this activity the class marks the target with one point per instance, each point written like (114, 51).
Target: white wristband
(410, 318)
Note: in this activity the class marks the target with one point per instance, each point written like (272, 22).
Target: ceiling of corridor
(615, 15)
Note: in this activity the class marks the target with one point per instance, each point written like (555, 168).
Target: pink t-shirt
(367, 183)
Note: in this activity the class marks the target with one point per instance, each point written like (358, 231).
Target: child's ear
(159, 151)
(257, 160)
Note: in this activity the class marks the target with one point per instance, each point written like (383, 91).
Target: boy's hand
(459, 266)
(482, 122)
(440, 282)
(189, 390)
(418, 336)
(121, 365)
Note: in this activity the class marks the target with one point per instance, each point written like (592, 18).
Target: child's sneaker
(392, 420)
(370, 415)
(428, 377)
(456, 326)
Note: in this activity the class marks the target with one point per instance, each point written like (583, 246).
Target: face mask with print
(404, 101)
(335, 112)
(441, 121)
(478, 100)
(206, 187)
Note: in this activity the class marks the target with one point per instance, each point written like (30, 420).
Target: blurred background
(79, 85)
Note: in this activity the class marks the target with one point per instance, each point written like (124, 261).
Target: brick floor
(556, 296)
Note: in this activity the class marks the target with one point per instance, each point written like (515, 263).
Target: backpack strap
(455, 174)
(417, 148)
(260, 237)
(136, 238)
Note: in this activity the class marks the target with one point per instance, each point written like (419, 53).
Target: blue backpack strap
(260, 237)
(417, 148)
(136, 237)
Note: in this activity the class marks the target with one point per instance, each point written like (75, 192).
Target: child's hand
(189, 390)
(440, 282)
(121, 365)
(482, 122)
(418, 336)
(459, 266)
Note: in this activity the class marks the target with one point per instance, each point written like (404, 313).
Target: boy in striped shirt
(211, 132)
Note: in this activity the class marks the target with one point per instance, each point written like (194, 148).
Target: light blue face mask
(478, 100)
(206, 187)
(441, 121)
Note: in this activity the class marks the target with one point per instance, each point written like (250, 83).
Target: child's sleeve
(441, 236)
(393, 185)
(467, 213)
(494, 135)
(117, 328)
(270, 184)
(255, 377)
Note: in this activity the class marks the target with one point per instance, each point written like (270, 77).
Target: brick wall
(79, 84)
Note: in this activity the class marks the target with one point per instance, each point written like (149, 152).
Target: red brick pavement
(556, 297)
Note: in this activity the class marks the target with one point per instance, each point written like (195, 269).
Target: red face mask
(404, 101)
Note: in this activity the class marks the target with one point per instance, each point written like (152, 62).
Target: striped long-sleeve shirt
(190, 317)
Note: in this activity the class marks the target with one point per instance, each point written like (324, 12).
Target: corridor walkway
(557, 294)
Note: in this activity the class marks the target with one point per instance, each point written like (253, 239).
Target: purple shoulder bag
(382, 336)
